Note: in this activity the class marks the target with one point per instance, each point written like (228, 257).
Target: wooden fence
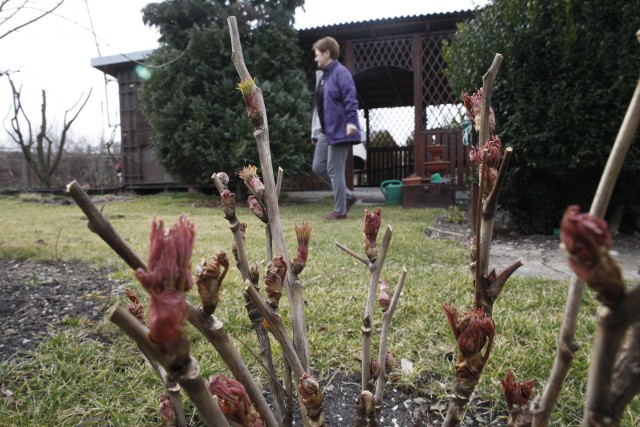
(385, 163)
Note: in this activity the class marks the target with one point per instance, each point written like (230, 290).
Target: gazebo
(397, 66)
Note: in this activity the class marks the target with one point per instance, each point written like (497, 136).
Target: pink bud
(166, 410)
(472, 331)
(234, 401)
(310, 392)
(251, 180)
(585, 237)
(167, 278)
(169, 265)
(209, 277)
(228, 202)
(587, 241)
(257, 208)
(274, 278)
(384, 295)
(516, 393)
(134, 306)
(303, 234)
(168, 319)
(372, 221)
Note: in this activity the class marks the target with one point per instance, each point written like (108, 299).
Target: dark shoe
(335, 215)
(350, 202)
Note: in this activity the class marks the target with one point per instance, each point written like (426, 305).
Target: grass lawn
(92, 374)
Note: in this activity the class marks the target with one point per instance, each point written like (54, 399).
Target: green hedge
(569, 71)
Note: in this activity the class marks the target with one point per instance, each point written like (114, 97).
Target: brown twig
(491, 204)
(371, 300)
(485, 130)
(487, 286)
(279, 181)
(612, 327)
(313, 416)
(477, 209)
(261, 134)
(173, 389)
(187, 375)
(288, 395)
(357, 256)
(277, 328)
(384, 337)
(437, 230)
(625, 383)
(213, 330)
(544, 403)
(99, 225)
(487, 91)
(256, 319)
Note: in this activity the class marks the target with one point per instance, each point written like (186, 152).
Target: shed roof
(111, 64)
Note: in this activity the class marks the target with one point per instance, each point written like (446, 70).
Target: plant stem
(215, 333)
(384, 337)
(484, 214)
(287, 420)
(368, 313)
(485, 291)
(545, 402)
(612, 326)
(626, 378)
(277, 328)
(463, 388)
(173, 389)
(488, 80)
(261, 135)
(487, 90)
(256, 321)
(99, 225)
(357, 256)
(187, 375)
(279, 332)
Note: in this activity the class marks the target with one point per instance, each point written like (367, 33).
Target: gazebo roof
(385, 27)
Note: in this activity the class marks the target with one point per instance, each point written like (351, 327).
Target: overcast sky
(55, 53)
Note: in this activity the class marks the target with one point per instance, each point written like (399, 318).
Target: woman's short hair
(330, 44)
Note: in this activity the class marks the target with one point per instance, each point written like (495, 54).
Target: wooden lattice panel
(435, 86)
(394, 52)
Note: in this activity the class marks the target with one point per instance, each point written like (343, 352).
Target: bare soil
(37, 298)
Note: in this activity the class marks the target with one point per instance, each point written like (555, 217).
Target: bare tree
(41, 150)
(25, 12)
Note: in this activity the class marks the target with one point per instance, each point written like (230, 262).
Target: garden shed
(406, 103)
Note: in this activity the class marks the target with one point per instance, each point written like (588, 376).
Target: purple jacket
(340, 104)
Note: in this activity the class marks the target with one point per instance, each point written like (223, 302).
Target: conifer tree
(198, 120)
